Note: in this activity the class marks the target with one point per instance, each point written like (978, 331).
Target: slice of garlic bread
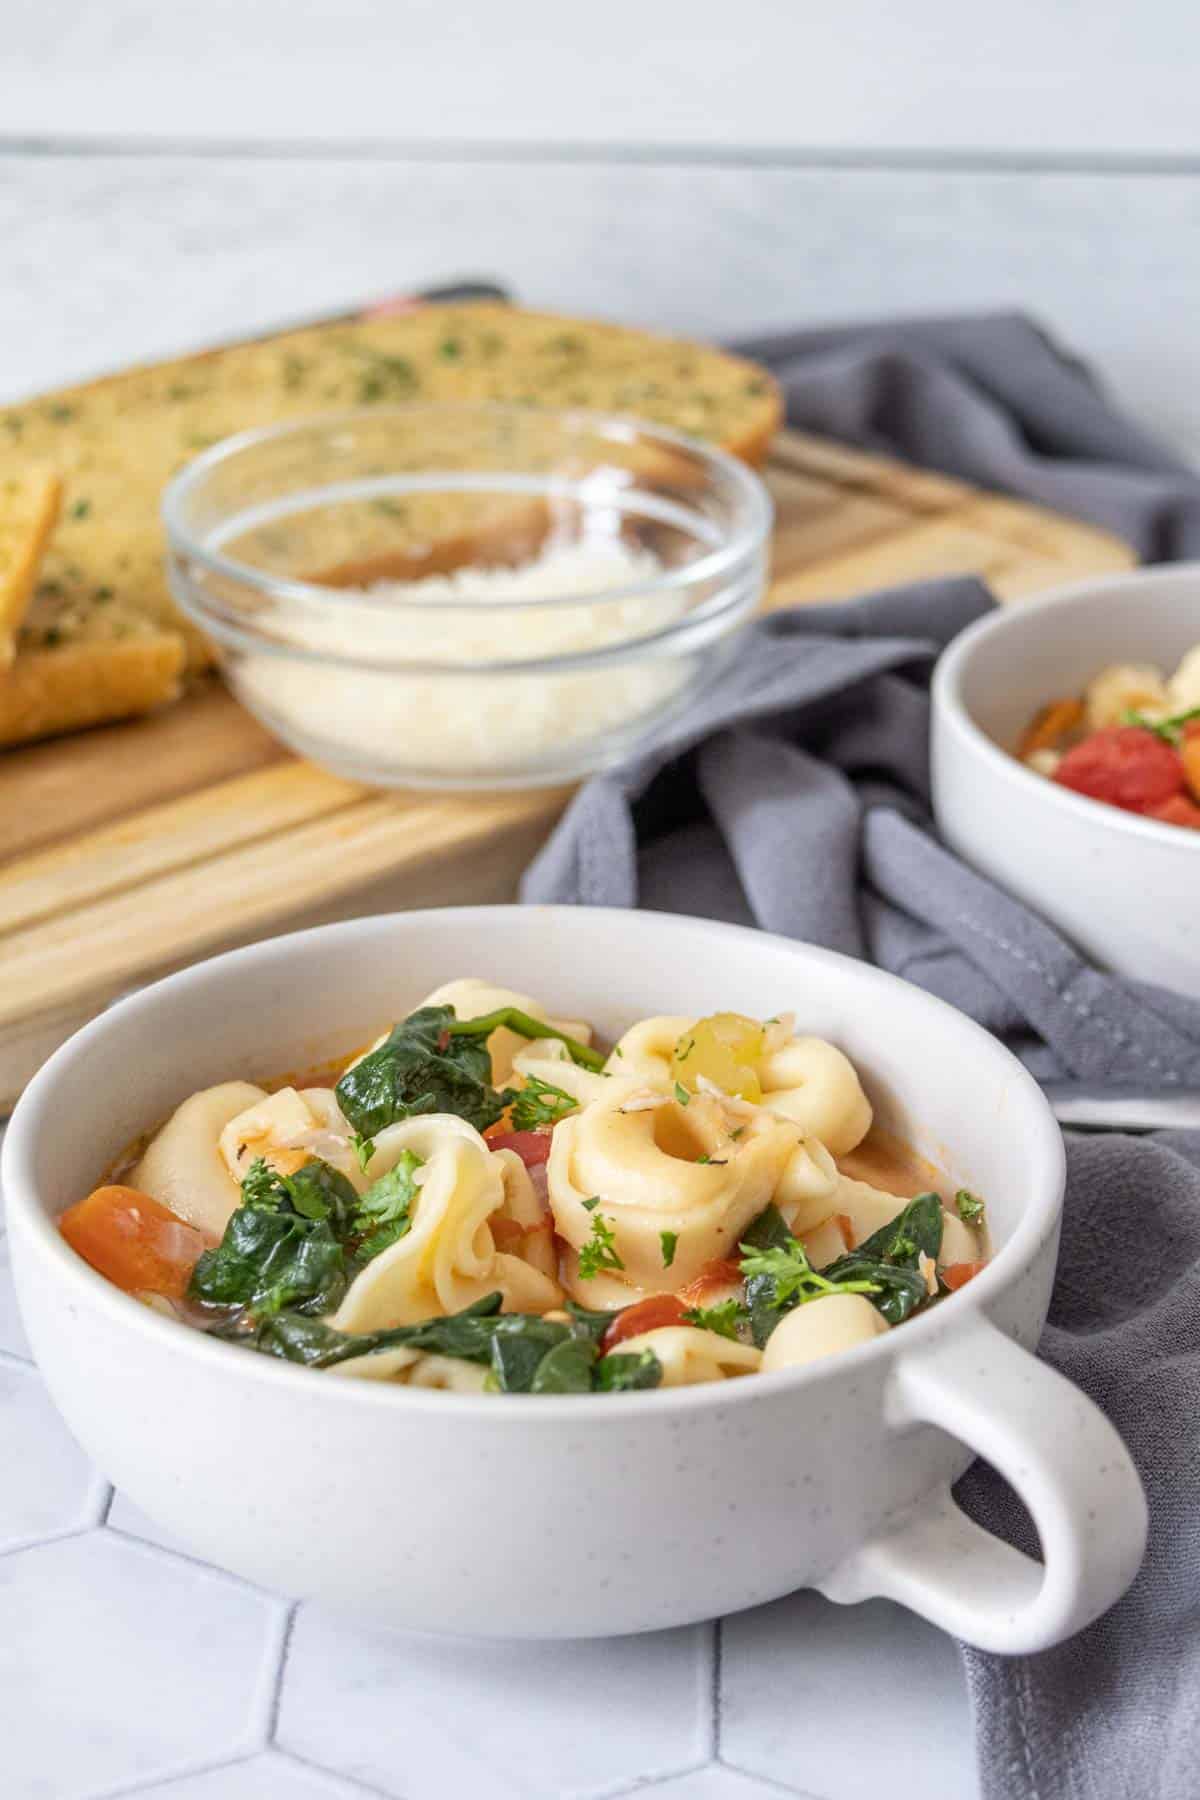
(115, 443)
(29, 503)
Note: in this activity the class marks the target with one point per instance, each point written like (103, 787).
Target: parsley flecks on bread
(117, 441)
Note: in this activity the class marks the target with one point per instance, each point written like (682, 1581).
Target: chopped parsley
(540, 1103)
(600, 1251)
(383, 377)
(591, 1204)
(668, 1241)
(795, 1280)
(724, 1318)
(81, 509)
(969, 1206)
(681, 1094)
(364, 1149)
(1170, 730)
(384, 1212)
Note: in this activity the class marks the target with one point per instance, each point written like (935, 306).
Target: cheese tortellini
(183, 1168)
(1124, 688)
(474, 999)
(689, 1355)
(651, 1164)
(416, 1368)
(838, 1322)
(804, 1079)
(676, 1211)
(288, 1127)
(449, 1258)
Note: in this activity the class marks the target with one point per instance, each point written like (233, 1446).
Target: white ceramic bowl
(587, 1515)
(1124, 888)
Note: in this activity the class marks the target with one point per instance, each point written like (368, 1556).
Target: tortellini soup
(488, 1201)
(1131, 739)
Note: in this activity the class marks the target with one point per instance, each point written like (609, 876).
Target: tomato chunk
(644, 1315)
(1178, 810)
(713, 1282)
(1189, 756)
(533, 1147)
(1125, 766)
(958, 1274)
(135, 1242)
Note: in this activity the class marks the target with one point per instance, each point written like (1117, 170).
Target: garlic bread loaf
(114, 443)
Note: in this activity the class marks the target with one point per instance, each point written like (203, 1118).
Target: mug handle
(1065, 1461)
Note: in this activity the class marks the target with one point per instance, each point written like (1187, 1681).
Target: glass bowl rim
(748, 534)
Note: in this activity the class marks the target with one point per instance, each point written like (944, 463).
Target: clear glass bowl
(286, 545)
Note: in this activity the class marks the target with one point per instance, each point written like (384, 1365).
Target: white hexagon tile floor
(127, 1667)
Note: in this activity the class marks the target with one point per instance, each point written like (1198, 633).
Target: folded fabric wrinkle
(795, 797)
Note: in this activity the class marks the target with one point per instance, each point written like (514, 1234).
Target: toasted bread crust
(29, 503)
(116, 441)
(50, 691)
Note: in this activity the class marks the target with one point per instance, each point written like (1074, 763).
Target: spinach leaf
(296, 1339)
(768, 1232)
(566, 1369)
(283, 1247)
(915, 1230)
(885, 1266)
(317, 1346)
(319, 1191)
(588, 1322)
(421, 1068)
(520, 1343)
(617, 1374)
(891, 1258)
(267, 1261)
(527, 1354)
(899, 1290)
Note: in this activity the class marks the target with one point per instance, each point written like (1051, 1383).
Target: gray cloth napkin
(991, 399)
(794, 795)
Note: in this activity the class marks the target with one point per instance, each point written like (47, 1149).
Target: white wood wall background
(173, 172)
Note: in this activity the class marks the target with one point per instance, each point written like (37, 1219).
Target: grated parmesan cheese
(475, 722)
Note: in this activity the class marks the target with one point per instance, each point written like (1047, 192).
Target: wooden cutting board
(132, 849)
